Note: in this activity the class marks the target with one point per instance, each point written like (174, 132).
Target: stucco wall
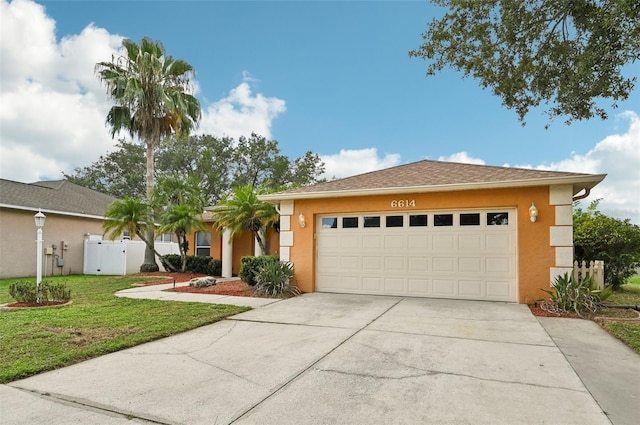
(535, 254)
(243, 244)
(18, 242)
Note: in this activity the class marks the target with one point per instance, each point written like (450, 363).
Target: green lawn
(37, 340)
(627, 332)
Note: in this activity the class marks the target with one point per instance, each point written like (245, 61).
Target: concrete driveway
(325, 359)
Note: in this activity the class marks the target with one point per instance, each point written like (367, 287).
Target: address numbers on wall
(403, 203)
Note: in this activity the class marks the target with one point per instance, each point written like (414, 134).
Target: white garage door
(443, 254)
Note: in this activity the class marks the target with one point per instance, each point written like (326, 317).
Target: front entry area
(459, 254)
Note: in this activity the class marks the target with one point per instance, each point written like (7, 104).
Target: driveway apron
(324, 359)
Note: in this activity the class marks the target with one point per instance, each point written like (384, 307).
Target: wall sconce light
(533, 213)
(301, 220)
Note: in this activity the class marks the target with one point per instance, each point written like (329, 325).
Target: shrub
(600, 237)
(274, 278)
(249, 266)
(579, 296)
(171, 261)
(27, 292)
(195, 264)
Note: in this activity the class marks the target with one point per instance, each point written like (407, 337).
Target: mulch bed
(600, 315)
(236, 288)
(44, 304)
(538, 311)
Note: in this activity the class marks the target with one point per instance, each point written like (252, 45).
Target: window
(497, 219)
(419, 220)
(394, 221)
(165, 237)
(443, 220)
(349, 222)
(329, 223)
(373, 221)
(203, 243)
(470, 219)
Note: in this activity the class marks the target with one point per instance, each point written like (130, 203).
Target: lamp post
(39, 219)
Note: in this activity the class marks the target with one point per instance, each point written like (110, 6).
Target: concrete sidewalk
(609, 369)
(159, 292)
(325, 358)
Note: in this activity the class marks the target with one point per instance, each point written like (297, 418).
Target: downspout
(587, 192)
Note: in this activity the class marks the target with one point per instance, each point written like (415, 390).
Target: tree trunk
(183, 253)
(149, 264)
(260, 242)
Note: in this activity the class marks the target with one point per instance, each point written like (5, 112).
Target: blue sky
(333, 77)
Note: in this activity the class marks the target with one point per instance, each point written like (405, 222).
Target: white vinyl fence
(120, 257)
(594, 268)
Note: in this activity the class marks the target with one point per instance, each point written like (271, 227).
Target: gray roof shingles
(431, 173)
(59, 196)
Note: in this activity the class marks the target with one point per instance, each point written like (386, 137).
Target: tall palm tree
(181, 220)
(242, 210)
(129, 215)
(153, 100)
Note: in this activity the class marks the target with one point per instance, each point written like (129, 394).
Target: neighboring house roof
(437, 176)
(59, 196)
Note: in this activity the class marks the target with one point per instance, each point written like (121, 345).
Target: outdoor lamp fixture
(301, 220)
(39, 219)
(533, 213)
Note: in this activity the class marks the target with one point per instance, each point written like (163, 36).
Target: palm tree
(153, 100)
(181, 220)
(129, 215)
(242, 210)
(176, 190)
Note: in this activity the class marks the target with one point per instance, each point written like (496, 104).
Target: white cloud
(462, 157)
(351, 162)
(53, 109)
(618, 156)
(242, 113)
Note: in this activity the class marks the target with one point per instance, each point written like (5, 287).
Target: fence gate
(120, 257)
(595, 269)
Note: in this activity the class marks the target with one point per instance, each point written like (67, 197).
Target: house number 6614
(402, 203)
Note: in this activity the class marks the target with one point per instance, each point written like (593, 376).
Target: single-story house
(72, 213)
(433, 229)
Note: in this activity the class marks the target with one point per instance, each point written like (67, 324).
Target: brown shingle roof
(55, 196)
(437, 175)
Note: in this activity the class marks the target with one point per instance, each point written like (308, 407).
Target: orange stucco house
(433, 229)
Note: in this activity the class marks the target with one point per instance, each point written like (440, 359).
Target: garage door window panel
(419, 220)
(497, 219)
(440, 220)
(470, 219)
(371, 221)
(329, 223)
(394, 221)
(349, 222)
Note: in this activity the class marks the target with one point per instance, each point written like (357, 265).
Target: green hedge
(195, 264)
(249, 266)
(27, 292)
